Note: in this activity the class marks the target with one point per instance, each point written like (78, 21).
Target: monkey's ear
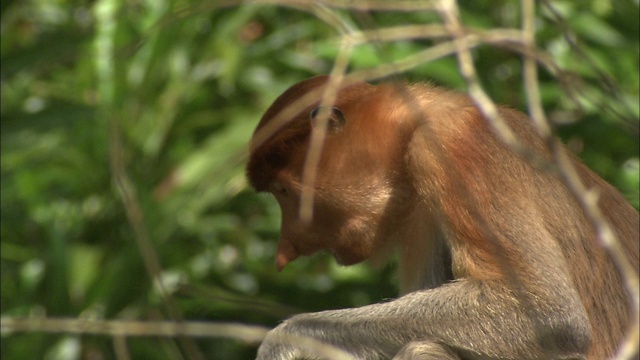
(335, 121)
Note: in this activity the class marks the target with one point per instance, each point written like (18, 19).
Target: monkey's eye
(335, 121)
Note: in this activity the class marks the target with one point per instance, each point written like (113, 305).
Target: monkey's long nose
(286, 253)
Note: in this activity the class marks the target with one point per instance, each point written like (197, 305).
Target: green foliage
(173, 89)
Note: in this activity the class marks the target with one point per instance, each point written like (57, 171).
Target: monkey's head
(355, 186)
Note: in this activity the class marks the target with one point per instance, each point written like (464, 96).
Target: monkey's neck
(425, 259)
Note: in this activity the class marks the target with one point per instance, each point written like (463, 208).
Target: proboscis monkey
(497, 258)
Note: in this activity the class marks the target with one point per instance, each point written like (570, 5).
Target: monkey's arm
(478, 320)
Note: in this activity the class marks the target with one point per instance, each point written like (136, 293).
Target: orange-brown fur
(419, 168)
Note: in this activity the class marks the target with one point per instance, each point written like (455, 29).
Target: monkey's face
(345, 217)
(354, 188)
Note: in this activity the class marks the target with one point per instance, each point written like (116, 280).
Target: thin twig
(127, 328)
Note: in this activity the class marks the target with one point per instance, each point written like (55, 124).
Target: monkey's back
(596, 276)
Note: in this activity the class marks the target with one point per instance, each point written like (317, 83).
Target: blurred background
(124, 134)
